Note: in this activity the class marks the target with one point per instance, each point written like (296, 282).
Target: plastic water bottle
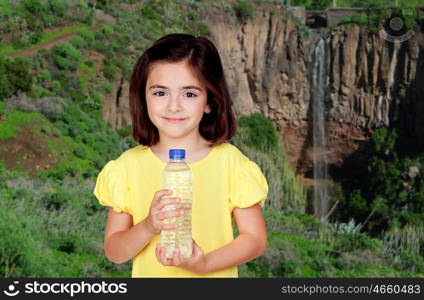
(177, 176)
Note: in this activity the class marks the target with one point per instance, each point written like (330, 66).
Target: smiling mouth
(172, 120)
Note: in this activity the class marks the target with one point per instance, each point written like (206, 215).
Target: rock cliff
(370, 82)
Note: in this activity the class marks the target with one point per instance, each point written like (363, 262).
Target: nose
(174, 104)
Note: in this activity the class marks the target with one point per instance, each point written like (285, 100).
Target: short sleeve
(248, 187)
(112, 188)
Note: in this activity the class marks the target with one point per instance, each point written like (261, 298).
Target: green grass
(13, 120)
(6, 8)
(86, 73)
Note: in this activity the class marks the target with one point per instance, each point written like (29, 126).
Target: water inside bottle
(179, 181)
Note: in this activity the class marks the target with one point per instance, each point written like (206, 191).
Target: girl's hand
(196, 263)
(157, 214)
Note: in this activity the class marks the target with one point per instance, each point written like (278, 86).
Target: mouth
(175, 120)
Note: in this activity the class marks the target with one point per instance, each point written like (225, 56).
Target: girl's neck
(164, 146)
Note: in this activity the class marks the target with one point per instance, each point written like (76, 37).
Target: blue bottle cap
(176, 153)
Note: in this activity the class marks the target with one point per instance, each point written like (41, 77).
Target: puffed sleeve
(112, 188)
(248, 187)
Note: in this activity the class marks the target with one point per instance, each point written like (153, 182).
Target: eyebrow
(188, 87)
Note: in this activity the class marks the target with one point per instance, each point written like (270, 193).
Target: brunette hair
(217, 126)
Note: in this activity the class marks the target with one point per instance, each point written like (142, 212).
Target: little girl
(179, 99)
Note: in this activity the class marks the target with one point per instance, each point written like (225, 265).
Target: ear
(207, 109)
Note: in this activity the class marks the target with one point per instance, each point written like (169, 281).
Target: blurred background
(329, 98)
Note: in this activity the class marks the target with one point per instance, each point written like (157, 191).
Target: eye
(191, 95)
(159, 93)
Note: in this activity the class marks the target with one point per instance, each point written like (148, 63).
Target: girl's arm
(250, 243)
(123, 241)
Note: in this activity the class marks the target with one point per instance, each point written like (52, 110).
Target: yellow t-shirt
(222, 180)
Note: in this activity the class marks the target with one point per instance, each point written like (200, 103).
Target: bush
(78, 42)
(45, 76)
(36, 36)
(258, 139)
(56, 87)
(93, 142)
(65, 56)
(21, 253)
(126, 65)
(87, 35)
(107, 88)
(125, 131)
(57, 7)
(50, 107)
(109, 71)
(43, 222)
(149, 13)
(244, 9)
(37, 91)
(106, 30)
(390, 193)
(15, 75)
(34, 6)
(2, 108)
(262, 133)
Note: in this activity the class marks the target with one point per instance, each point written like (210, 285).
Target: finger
(170, 213)
(165, 226)
(176, 257)
(160, 255)
(167, 202)
(159, 194)
(164, 260)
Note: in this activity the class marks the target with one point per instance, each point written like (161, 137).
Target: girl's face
(176, 99)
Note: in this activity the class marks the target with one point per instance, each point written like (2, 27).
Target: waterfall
(321, 199)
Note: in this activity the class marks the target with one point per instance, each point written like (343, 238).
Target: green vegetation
(81, 144)
(41, 39)
(392, 193)
(258, 139)
(52, 229)
(323, 4)
(50, 225)
(13, 122)
(312, 4)
(15, 76)
(24, 22)
(262, 133)
(65, 56)
(376, 15)
(244, 9)
(300, 246)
